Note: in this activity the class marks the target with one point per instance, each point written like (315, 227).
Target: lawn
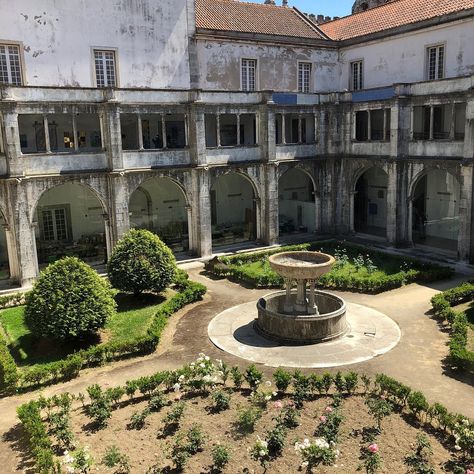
(133, 318)
(357, 268)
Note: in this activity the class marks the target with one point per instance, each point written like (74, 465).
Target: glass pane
(32, 136)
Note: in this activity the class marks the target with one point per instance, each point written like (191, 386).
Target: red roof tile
(243, 17)
(391, 15)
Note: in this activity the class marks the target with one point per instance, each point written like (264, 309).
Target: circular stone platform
(370, 334)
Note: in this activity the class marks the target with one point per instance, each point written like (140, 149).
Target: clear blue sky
(321, 7)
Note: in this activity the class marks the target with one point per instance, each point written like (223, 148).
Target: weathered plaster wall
(219, 64)
(151, 38)
(402, 58)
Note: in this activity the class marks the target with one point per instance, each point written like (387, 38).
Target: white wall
(402, 58)
(57, 36)
(219, 64)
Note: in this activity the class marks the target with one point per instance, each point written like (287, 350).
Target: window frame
(361, 84)
(428, 47)
(310, 82)
(116, 66)
(256, 81)
(21, 56)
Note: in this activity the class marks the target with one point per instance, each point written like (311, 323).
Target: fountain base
(322, 321)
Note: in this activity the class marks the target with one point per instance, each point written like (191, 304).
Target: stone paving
(371, 334)
(417, 360)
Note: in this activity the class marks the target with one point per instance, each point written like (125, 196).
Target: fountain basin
(301, 265)
(301, 329)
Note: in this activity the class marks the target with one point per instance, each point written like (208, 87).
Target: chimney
(284, 3)
(269, 2)
(320, 19)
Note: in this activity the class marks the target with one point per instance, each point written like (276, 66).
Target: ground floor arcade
(197, 211)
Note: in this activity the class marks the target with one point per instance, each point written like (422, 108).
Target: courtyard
(418, 360)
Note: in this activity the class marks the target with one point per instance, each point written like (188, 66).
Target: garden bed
(188, 420)
(27, 363)
(456, 307)
(357, 268)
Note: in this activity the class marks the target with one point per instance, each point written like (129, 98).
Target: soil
(147, 446)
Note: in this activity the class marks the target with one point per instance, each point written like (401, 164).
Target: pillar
(202, 211)
(12, 140)
(465, 213)
(391, 218)
(118, 221)
(112, 138)
(270, 205)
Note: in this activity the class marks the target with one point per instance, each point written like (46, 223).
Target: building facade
(212, 122)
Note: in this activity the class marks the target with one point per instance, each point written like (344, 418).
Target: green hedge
(231, 267)
(40, 443)
(8, 369)
(66, 369)
(459, 355)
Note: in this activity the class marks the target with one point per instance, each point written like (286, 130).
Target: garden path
(416, 361)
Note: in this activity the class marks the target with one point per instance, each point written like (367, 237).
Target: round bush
(141, 262)
(69, 300)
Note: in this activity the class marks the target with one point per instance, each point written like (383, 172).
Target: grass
(134, 316)
(357, 269)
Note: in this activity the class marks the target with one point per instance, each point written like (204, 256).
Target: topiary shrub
(141, 262)
(69, 300)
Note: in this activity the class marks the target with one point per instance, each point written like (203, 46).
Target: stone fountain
(305, 315)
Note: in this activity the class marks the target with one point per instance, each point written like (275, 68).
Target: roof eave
(439, 20)
(204, 33)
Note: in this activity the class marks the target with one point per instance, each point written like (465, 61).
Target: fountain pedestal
(302, 316)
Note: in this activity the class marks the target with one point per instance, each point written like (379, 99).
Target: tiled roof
(391, 15)
(243, 17)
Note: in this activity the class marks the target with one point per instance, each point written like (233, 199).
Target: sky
(321, 7)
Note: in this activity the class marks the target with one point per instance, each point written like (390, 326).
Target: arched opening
(297, 209)
(435, 210)
(71, 222)
(159, 205)
(370, 203)
(233, 210)
(4, 260)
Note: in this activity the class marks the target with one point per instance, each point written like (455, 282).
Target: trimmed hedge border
(69, 368)
(436, 416)
(421, 271)
(459, 355)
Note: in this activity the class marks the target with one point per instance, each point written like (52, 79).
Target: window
(10, 65)
(249, 74)
(432, 122)
(357, 74)
(304, 77)
(362, 126)
(105, 72)
(372, 125)
(435, 62)
(54, 224)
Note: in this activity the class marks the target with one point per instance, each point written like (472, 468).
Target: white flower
(70, 469)
(176, 387)
(274, 394)
(181, 378)
(206, 357)
(202, 365)
(192, 364)
(268, 397)
(304, 464)
(261, 453)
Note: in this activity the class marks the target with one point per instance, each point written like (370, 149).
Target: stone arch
(235, 216)
(166, 213)
(298, 204)
(71, 219)
(370, 188)
(5, 246)
(433, 208)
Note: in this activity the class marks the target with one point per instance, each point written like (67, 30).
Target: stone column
(270, 204)
(112, 139)
(197, 134)
(301, 304)
(288, 306)
(12, 140)
(391, 219)
(465, 213)
(202, 211)
(119, 218)
(312, 308)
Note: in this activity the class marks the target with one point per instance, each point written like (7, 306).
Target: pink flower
(322, 419)
(469, 471)
(328, 410)
(373, 448)
(278, 405)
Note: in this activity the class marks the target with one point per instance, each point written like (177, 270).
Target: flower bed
(459, 354)
(210, 417)
(357, 268)
(11, 379)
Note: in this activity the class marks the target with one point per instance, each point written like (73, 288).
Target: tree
(69, 300)
(141, 262)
